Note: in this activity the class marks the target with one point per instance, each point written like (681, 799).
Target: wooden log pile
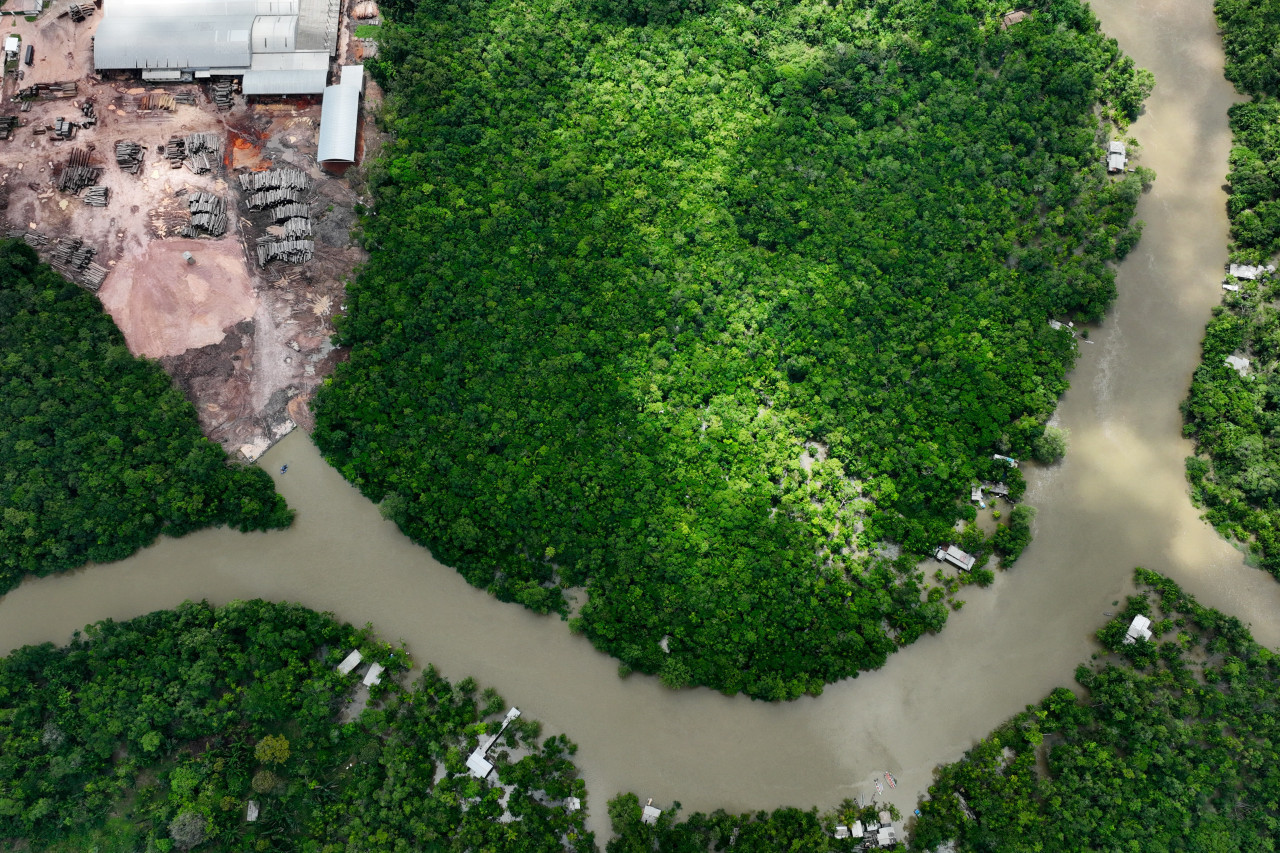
(8, 124)
(290, 251)
(157, 101)
(129, 156)
(366, 10)
(96, 196)
(78, 13)
(48, 91)
(297, 228)
(34, 239)
(274, 197)
(73, 258)
(221, 92)
(63, 129)
(175, 151)
(77, 173)
(291, 211)
(270, 179)
(208, 215)
(203, 152)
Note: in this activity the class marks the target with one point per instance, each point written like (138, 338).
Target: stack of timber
(34, 239)
(287, 178)
(297, 228)
(48, 91)
(63, 129)
(188, 98)
(73, 258)
(204, 151)
(78, 13)
(8, 124)
(175, 151)
(274, 197)
(290, 251)
(208, 215)
(86, 110)
(156, 101)
(291, 211)
(96, 196)
(77, 173)
(221, 94)
(129, 156)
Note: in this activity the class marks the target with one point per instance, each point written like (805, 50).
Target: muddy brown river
(1119, 500)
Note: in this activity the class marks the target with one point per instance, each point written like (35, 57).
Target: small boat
(888, 777)
(879, 790)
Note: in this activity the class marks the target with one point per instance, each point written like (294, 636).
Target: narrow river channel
(1119, 500)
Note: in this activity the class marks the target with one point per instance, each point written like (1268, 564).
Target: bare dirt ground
(248, 346)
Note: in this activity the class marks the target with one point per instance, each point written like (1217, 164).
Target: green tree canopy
(699, 304)
(99, 453)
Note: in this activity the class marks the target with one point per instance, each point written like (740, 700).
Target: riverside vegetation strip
(156, 733)
(695, 304)
(99, 453)
(1234, 419)
(1172, 748)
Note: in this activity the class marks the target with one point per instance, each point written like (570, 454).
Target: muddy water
(1118, 501)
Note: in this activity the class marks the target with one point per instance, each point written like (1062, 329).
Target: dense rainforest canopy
(1173, 747)
(99, 453)
(1234, 416)
(784, 829)
(170, 730)
(698, 303)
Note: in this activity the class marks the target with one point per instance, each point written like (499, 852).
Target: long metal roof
(340, 117)
(201, 35)
(192, 42)
(287, 74)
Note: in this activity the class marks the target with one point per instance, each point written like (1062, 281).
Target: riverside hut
(1250, 273)
(1117, 157)
(1139, 629)
(350, 662)
(374, 675)
(1013, 18)
(1238, 364)
(953, 555)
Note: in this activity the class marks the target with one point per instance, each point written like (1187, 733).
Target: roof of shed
(191, 42)
(340, 117)
(287, 74)
(210, 34)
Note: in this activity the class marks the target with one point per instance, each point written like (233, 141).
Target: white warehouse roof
(287, 74)
(221, 36)
(340, 116)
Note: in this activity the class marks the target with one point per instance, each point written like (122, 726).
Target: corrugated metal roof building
(281, 47)
(339, 121)
(287, 74)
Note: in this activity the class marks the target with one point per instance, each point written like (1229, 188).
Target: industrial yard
(201, 218)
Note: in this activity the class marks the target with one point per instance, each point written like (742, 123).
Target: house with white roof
(1139, 629)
